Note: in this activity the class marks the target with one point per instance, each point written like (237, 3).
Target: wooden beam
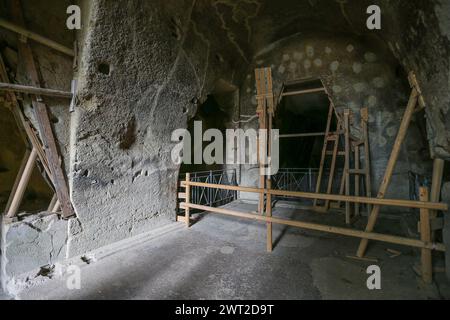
(347, 163)
(300, 92)
(52, 203)
(323, 228)
(43, 119)
(357, 177)
(25, 128)
(368, 179)
(390, 167)
(321, 196)
(22, 185)
(302, 135)
(36, 37)
(436, 183)
(269, 214)
(187, 216)
(33, 90)
(333, 167)
(18, 179)
(324, 151)
(425, 235)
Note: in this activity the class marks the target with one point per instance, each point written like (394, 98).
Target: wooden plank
(441, 206)
(25, 128)
(436, 183)
(368, 180)
(22, 186)
(264, 93)
(34, 90)
(324, 151)
(18, 179)
(52, 203)
(347, 163)
(302, 135)
(42, 117)
(332, 168)
(188, 200)
(36, 37)
(269, 214)
(390, 167)
(300, 92)
(357, 178)
(425, 235)
(365, 259)
(323, 228)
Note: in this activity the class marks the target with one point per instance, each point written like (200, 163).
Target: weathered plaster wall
(28, 245)
(161, 60)
(358, 73)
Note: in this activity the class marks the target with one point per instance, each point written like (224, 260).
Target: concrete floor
(224, 258)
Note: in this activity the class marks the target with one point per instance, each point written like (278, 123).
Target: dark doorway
(301, 114)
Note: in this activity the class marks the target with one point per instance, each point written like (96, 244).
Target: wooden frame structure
(416, 102)
(44, 145)
(352, 146)
(424, 243)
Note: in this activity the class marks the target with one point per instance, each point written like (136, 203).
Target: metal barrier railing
(208, 196)
(424, 243)
(299, 179)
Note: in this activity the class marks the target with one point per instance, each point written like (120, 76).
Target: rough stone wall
(28, 245)
(160, 60)
(357, 73)
(420, 39)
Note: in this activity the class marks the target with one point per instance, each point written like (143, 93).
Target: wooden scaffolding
(41, 144)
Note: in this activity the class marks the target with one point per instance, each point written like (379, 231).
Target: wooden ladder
(352, 147)
(330, 137)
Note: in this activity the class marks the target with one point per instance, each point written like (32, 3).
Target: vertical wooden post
(188, 200)
(333, 165)
(17, 199)
(347, 163)
(357, 178)
(269, 214)
(324, 151)
(263, 78)
(436, 183)
(425, 235)
(367, 177)
(390, 167)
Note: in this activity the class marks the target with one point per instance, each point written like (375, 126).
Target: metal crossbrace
(207, 196)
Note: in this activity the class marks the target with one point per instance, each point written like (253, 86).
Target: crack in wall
(208, 44)
(230, 34)
(175, 64)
